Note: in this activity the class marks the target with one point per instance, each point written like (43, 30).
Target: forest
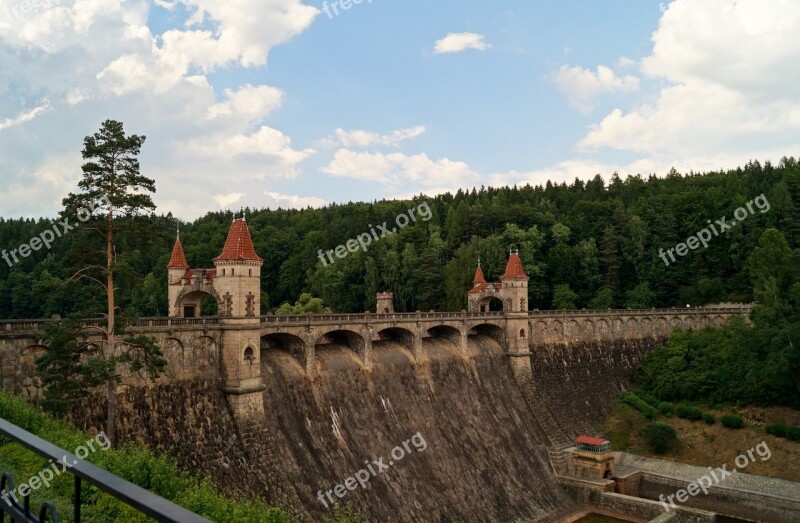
(588, 244)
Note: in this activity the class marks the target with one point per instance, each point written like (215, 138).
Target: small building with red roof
(510, 294)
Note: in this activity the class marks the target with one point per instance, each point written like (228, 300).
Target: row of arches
(632, 327)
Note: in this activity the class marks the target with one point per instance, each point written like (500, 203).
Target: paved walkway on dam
(782, 488)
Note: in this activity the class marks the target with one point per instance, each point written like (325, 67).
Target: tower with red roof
(511, 290)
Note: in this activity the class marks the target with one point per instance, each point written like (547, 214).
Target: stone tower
(238, 276)
(384, 303)
(512, 290)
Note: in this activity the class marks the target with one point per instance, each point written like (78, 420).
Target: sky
(290, 103)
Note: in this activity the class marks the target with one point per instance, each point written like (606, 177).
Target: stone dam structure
(286, 407)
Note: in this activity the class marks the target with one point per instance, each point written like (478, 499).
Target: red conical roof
(478, 275)
(239, 245)
(178, 259)
(514, 268)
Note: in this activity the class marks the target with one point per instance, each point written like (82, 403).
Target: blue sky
(273, 103)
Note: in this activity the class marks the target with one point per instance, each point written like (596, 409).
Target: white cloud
(251, 102)
(582, 85)
(25, 116)
(458, 42)
(396, 170)
(730, 89)
(226, 200)
(266, 141)
(359, 138)
(288, 201)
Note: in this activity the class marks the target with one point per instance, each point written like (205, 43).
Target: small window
(223, 272)
(232, 271)
(522, 333)
(248, 355)
(249, 272)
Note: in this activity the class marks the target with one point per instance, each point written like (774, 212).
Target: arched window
(522, 333)
(232, 271)
(248, 355)
(249, 272)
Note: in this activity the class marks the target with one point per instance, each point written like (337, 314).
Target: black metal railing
(142, 500)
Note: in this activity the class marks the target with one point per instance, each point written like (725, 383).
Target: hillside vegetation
(585, 244)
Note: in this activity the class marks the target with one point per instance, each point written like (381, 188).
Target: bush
(732, 421)
(687, 412)
(776, 429)
(660, 437)
(650, 400)
(709, 418)
(636, 402)
(666, 408)
(793, 432)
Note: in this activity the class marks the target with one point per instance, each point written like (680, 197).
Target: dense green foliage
(688, 412)
(791, 432)
(660, 437)
(637, 403)
(144, 467)
(584, 245)
(732, 421)
(709, 418)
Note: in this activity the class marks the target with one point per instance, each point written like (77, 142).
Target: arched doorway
(490, 304)
(196, 304)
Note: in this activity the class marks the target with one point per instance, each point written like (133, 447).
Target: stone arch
(572, 329)
(662, 325)
(588, 328)
(540, 330)
(284, 342)
(490, 303)
(675, 323)
(719, 321)
(603, 328)
(617, 326)
(647, 326)
(703, 321)
(632, 327)
(350, 338)
(398, 334)
(557, 328)
(446, 332)
(489, 329)
(195, 293)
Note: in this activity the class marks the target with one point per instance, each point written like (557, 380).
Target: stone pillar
(418, 354)
(366, 333)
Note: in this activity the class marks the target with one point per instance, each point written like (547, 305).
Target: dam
(289, 407)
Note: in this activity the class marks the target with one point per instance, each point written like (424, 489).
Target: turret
(176, 270)
(515, 285)
(238, 275)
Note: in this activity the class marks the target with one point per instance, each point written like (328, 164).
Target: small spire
(179, 232)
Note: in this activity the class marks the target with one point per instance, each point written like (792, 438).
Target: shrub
(690, 413)
(776, 429)
(732, 421)
(636, 402)
(793, 432)
(650, 400)
(709, 418)
(666, 408)
(660, 437)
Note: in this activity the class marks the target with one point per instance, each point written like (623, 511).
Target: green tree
(307, 304)
(660, 437)
(564, 298)
(113, 195)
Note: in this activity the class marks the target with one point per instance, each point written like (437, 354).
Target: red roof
(479, 275)
(178, 259)
(239, 245)
(590, 440)
(514, 268)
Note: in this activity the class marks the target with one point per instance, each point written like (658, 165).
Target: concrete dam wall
(485, 429)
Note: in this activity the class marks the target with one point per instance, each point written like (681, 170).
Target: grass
(151, 470)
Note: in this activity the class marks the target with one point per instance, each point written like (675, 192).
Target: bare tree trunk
(111, 404)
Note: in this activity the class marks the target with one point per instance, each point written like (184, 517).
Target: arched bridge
(215, 346)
